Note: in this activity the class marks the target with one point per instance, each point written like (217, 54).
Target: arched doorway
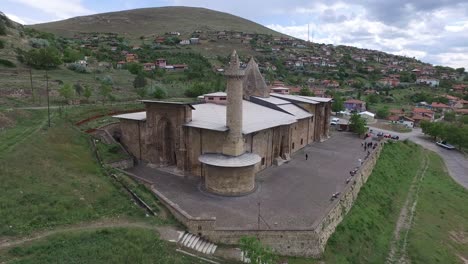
(166, 142)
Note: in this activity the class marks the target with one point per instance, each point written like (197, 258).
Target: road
(456, 162)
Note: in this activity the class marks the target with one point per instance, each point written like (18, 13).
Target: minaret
(234, 144)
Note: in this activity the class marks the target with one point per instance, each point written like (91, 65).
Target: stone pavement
(291, 196)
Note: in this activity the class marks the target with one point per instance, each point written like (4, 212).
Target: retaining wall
(309, 242)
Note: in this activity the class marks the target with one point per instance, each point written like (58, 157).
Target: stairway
(196, 243)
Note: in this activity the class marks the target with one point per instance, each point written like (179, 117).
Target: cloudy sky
(434, 31)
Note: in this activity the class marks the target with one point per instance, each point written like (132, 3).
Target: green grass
(116, 245)
(16, 125)
(441, 217)
(110, 152)
(52, 179)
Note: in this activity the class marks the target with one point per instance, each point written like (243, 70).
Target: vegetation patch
(7, 63)
(440, 229)
(110, 152)
(53, 179)
(112, 245)
(392, 127)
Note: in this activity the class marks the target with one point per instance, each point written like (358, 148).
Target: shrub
(2, 44)
(77, 68)
(159, 93)
(7, 63)
(39, 43)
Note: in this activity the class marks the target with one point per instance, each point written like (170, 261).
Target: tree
(78, 88)
(357, 124)
(105, 92)
(134, 68)
(87, 92)
(305, 92)
(66, 91)
(71, 55)
(159, 93)
(338, 104)
(141, 92)
(460, 70)
(383, 113)
(139, 81)
(449, 116)
(256, 252)
(44, 58)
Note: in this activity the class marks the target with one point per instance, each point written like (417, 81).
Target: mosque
(227, 137)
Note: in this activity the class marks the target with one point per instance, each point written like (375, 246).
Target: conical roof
(254, 83)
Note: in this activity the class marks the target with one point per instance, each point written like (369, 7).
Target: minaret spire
(234, 144)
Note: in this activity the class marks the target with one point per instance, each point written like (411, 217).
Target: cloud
(60, 9)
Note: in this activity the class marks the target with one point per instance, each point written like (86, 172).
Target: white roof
(216, 94)
(298, 112)
(294, 97)
(255, 117)
(132, 116)
(318, 99)
(287, 106)
(273, 100)
(367, 113)
(279, 88)
(220, 160)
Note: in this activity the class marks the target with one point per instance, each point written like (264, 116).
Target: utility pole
(47, 90)
(258, 217)
(32, 88)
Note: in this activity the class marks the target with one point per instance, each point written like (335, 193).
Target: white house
(367, 115)
(433, 82)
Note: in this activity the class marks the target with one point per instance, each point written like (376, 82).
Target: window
(293, 145)
(210, 98)
(222, 98)
(263, 161)
(302, 141)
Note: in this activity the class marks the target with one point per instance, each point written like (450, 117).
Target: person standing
(307, 156)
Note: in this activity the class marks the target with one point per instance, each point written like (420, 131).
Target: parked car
(380, 134)
(387, 136)
(334, 121)
(445, 145)
(395, 137)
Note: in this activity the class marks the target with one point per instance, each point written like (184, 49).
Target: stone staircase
(196, 243)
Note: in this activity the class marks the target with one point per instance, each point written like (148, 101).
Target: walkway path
(167, 232)
(397, 252)
(456, 162)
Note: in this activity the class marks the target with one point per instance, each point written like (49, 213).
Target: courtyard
(291, 196)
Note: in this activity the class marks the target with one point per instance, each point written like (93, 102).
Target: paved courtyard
(291, 196)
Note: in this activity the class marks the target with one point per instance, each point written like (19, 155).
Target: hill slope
(149, 21)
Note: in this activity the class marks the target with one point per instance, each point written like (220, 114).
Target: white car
(334, 121)
(445, 145)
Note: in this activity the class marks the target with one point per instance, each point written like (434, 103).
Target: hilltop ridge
(153, 21)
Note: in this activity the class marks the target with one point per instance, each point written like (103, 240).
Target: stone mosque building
(228, 137)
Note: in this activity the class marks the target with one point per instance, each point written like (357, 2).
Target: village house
(389, 81)
(149, 66)
(433, 82)
(355, 105)
(439, 107)
(120, 64)
(131, 57)
(161, 63)
(419, 114)
(184, 42)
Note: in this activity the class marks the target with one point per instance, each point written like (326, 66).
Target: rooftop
(139, 116)
(295, 98)
(221, 160)
(213, 117)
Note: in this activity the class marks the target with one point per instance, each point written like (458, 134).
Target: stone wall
(230, 181)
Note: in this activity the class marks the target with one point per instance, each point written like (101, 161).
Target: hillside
(154, 21)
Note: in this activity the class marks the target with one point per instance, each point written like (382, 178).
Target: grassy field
(116, 245)
(440, 230)
(51, 178)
